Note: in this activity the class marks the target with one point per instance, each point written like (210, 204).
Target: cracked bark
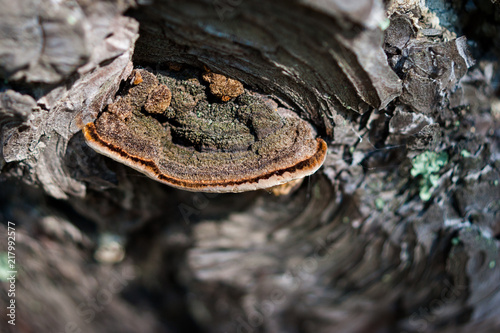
(354, 249)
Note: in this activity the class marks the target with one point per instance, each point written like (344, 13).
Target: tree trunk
(397, 232)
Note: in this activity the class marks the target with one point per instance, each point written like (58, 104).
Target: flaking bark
(398, 232)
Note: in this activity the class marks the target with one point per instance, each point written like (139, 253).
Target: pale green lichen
(379, 203)
(427, 165)
(4, 267)
(384, 24)
(465, 153)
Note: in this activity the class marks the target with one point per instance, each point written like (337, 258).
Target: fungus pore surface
(166, 126)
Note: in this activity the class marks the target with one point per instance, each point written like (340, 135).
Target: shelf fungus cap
(237, 146)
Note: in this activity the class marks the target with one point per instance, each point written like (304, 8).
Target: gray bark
(377, 240)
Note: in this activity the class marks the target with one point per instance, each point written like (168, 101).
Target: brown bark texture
(399, 231)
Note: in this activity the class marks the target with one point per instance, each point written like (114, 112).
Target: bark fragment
(353, 249)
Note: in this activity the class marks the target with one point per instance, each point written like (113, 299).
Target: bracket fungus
(163, 126)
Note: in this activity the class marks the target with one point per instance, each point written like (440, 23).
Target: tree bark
(398, 232)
